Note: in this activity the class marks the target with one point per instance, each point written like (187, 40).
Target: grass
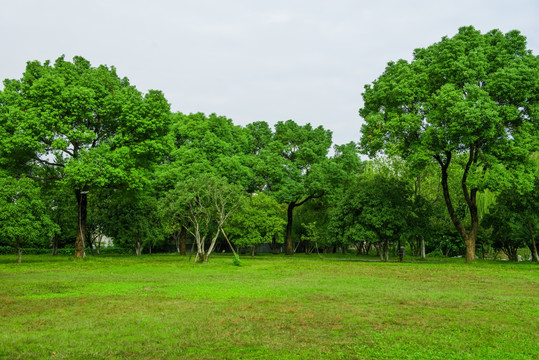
(272, 307)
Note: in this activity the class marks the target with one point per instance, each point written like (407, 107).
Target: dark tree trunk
(82, 202)
(290, 219)
(470, 196)
(55, 245)
(91, 244)
(183, 235)
(253, 249)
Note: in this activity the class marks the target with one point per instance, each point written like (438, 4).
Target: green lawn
(273, 307)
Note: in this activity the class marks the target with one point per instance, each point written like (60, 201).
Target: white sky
(304, 60)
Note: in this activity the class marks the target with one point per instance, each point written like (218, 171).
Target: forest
(90, 164)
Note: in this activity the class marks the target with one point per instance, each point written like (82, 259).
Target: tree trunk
(380, 249)
(19, 252)
(55, 245)
(138, 248)
(253, 251)
(386, 250)
(183, 236)
(422, 246)
(471, 201)
(99, 239)
(230, 244)
(470, 249)
(212, 244)
(290, 219)
(91, 244)
(176, 237)
(532, 245)
(82, 203)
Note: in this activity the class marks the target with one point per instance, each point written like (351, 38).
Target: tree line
(452, 135)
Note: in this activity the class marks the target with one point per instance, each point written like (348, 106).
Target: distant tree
(504, 227)
(81, 124)
(258, 220)
(133, 220)
(375, 208)
(293, 169)
(24, 219)
(514, 221)
(203, 205)
(473, 97)
(62, 206)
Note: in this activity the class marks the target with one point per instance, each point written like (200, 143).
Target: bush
(236, 260)
(435, 253)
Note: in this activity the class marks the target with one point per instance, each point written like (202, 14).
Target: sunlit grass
(273, 307)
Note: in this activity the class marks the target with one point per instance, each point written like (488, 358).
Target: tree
(514, 220)
(504, 227)
(375, 208)
(202, 205)
(259, 220)
(206, 144)
(471, 100)
(81, 124)
(24, 217)
(296, 156)
(133, 219)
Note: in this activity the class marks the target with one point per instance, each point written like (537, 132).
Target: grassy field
(273, 307)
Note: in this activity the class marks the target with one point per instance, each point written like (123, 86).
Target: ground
(272, 307)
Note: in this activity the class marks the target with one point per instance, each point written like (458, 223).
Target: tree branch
(48, 163)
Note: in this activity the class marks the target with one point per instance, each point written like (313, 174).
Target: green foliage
(301, 151)
(89, 120)
(258, 220)
(81, 124)
(206, 145)
(473, 96)
(203, 205)
(24, 218)
(236, 260)
(375, 208)
(131, 218)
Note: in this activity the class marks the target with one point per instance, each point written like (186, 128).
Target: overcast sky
(250, 60)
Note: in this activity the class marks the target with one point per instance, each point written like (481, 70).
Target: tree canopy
(471, 99)
(83, 125)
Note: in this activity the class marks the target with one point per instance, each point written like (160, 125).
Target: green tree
(470, 100)
(259, 220)
(514, 221)
(504, 226)
(24, 219)
(296, 157)
(202, 205)
(132, 219)
(206, 144)
(86, 122)
(375, 208)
